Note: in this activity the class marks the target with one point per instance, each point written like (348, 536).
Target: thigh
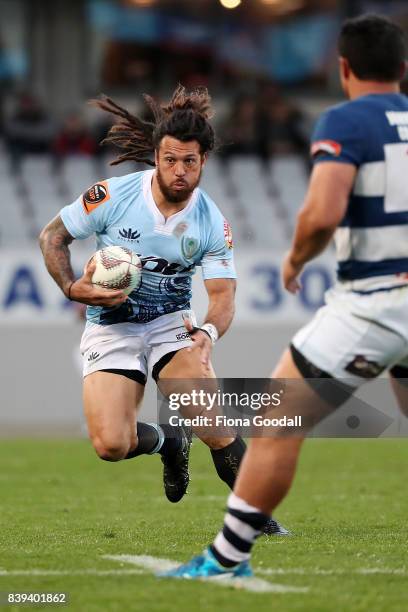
(399, 383)
(186, 364)
(307, 393)
(184, 374)
(111, 402)
(174, 359)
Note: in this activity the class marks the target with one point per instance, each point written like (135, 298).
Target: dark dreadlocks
(185, 118)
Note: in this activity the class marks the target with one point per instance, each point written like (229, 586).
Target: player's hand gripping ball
(117, 268)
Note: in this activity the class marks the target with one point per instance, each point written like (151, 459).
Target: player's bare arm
(324, 208)
(221, 308)
(54, 242)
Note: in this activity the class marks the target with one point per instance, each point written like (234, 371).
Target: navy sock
(228, 459)
(242, 525)
(172, 440)
(148, 439)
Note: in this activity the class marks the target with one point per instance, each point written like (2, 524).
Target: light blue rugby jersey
(121, 211)
(370, 132)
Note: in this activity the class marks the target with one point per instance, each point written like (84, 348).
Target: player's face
(178, 166)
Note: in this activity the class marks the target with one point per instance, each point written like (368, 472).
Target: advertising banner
(28, 293)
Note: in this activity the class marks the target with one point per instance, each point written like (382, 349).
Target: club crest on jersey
(228, 235)
(325, 146)
(95, 195)
(189, 246)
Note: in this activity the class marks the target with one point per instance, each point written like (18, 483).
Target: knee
(110, 450)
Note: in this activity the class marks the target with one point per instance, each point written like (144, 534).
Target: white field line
(255, 585)
(383, 570)
(310, 571)
(84, 572)
(146, 562)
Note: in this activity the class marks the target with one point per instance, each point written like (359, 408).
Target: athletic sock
(172, 440)
(228, 459)
(242, 525)
(154, 438)
(150, 440)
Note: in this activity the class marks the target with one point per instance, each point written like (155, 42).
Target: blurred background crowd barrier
(271, 67)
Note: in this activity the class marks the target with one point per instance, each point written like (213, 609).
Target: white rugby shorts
(133, 346)
(356, 336)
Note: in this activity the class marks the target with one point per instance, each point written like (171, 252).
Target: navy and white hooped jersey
(121, 211)
(370, 132)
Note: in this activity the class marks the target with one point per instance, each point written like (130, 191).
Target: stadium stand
(259, 199)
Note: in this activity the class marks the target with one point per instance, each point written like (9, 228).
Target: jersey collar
(162, 225)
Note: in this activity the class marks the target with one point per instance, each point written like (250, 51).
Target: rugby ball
(117, 268)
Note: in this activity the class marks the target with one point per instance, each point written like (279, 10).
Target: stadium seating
(259, 200)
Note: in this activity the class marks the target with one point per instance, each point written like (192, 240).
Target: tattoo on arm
(54, 241)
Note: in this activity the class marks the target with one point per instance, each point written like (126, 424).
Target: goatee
(172, 195)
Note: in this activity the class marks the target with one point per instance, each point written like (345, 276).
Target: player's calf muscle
(278, 458)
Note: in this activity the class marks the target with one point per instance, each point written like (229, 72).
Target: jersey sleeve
(218, 258)
(337, 137)
(89, 213)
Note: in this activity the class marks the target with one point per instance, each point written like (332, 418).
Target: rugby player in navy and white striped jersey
(358, 194)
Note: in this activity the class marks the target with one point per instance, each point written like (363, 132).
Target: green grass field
(62, 510)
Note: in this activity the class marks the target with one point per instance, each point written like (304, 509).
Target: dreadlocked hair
(185, 117)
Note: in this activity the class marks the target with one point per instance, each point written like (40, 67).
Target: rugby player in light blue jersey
(174, 226)
(358, 194)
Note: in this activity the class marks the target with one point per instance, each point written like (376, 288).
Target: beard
(175, 196)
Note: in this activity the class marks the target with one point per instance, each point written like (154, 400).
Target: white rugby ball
(117, 268)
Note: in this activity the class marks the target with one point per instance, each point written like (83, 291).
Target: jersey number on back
(396, 178)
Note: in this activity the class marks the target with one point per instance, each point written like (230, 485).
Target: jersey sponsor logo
(95, 196)
(183, 336)
(189, 246)
(129, 234)
(228, 235)
(180, 229)
(93, 356)
(325, 146)
(162, 266)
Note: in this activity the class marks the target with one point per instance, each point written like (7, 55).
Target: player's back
(370, 132)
